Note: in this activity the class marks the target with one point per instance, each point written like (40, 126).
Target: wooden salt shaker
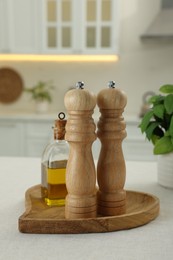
(111, 168)
(81, 201)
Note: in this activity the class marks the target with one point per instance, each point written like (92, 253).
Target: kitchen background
(144, 64)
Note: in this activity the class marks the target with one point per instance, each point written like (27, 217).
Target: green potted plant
(157, 124)
(41, 94)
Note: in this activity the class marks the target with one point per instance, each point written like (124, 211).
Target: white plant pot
(165, 170)
(41, 106)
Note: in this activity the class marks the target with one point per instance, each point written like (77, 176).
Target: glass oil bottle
(53, 167)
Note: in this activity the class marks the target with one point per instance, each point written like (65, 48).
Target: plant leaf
(154, 138)
(168, 103)
(167, 133)
(159, 110)
(167, 89)
(156, 99)
(159, 132)
(150, 129)
(171, 127)
(163, 145)
(145, 121)
(167, 120)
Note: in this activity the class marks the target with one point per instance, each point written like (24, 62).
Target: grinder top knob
(111, 97)
(79, 99)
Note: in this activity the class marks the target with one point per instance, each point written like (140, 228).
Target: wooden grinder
(81, 201)
(111, 169)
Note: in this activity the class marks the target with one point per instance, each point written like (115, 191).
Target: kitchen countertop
(149, 242)
(18, 115)
(28, 116)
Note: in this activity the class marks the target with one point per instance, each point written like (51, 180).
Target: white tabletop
(151, 241)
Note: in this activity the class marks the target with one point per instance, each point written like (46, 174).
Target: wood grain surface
(11, 85)
(81, 201)
(141, 208)
(111, 168)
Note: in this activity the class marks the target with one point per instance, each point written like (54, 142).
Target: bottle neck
(59, 135)
(59, 130)
(60, 141)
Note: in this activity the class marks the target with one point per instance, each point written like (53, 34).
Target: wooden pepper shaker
(111, 168)
(81, 201)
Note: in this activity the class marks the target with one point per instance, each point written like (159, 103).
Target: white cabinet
(59, 26)
(75, 26)
(11, 138)
(2, 26)
(19, 26)
(21, 137)
(37, 136)
(135, 145)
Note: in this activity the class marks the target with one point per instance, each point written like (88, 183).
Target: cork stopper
(59, 129)
(111, 97)
(79, 99)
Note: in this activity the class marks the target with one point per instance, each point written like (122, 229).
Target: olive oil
(43, 180)
(56, 188)
(53, 167)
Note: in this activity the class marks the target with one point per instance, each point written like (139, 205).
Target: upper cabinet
(59, 26)
(75, 26)
(19, 26)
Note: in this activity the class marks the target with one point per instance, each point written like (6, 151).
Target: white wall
(142, 66)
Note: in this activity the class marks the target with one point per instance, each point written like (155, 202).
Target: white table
(152, 241)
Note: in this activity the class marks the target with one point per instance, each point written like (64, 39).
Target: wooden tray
(41, 219)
